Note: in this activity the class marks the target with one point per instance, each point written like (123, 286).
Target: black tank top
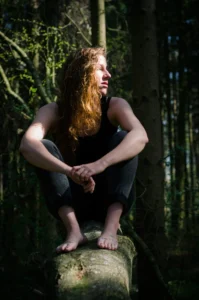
(91, 148)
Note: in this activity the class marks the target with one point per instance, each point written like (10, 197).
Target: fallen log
(90, 273)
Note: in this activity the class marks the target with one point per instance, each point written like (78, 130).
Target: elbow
(144, 140)
(25, 151)
(145, 137)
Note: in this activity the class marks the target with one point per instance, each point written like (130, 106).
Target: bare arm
(31, 146)
(36, 153)
(120, 113)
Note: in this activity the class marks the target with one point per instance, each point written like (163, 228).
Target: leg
(119, 180)
(57, 193)
(74, 235)
(108, 238)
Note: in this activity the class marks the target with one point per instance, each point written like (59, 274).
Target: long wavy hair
(79, 100)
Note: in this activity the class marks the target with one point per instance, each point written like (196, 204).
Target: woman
(87, 172)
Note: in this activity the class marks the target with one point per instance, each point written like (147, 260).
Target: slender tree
(98, 22)
(146, 105)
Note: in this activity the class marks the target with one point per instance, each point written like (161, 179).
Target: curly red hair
(79, 101)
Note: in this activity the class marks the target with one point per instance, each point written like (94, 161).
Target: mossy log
(90, 273)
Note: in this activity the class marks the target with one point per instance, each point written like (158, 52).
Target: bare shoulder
(45, 120)
(117, 101)
(120, 113)
(118, 107)
(47, 113)
(50, 108)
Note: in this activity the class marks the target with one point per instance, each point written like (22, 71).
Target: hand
(88, 185)
(84, 172)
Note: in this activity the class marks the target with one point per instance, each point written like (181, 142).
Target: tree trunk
(98, 21)
(180, 205)
(166, 60)
(146, 104)
(92, 273)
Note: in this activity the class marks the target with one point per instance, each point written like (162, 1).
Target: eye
(99, 67)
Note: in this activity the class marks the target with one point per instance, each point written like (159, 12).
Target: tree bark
(92, 273)
(149, 219)
(98, 21)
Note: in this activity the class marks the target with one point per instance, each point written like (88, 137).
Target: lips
(104, 84)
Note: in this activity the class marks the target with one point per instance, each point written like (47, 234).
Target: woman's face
(102, 75)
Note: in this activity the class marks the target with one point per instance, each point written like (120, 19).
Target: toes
(69, 245)
(108, 243)
(101, 243)
(59, 249)
(66, 247)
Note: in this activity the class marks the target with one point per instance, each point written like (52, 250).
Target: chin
(103, 92)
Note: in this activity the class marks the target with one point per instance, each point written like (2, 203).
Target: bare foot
(108, 240)
(73, 240)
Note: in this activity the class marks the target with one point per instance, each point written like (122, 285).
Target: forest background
(153, 56)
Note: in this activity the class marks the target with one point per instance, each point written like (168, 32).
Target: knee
(50, 146)
(121, 134)
(117, 138)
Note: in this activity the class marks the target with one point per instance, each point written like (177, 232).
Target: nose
(107, 74)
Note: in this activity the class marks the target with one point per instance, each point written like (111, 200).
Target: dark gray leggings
(115, 184)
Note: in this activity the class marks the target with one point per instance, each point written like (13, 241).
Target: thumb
(75, 168)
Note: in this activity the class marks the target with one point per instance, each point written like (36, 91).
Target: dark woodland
(153, 56)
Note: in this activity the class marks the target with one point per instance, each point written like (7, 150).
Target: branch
(28, 62)
(32, 22)
(84, 37)
(11, 92)
(116, 30)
